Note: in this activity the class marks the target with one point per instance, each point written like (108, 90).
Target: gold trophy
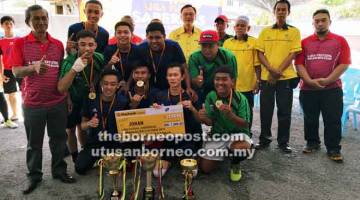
(113, 163)
(148, 163)
(188, 166)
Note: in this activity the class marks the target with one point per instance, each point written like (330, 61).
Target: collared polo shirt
(276, 44)
(188, 42)
(198, 62)
(102, 36)
(222, 40)
(321, 57)
(39, 90)
(221, 123)
(80, 88)
(247, 59)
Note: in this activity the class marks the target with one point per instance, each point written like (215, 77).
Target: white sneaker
(10, 124)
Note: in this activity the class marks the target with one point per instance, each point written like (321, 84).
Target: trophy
(148, 163)
(188, 166)
(136, 179)
(113, 163)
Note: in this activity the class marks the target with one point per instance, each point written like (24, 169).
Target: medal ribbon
(121, 63)
(89, 83)
(104, 119)
(180, 95)
(153, 61)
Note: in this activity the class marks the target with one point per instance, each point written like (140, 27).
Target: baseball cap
(209, 36)
(221, 17)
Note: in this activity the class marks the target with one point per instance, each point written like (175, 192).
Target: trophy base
(148, 195)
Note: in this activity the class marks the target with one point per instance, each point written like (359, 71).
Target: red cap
(209, 36)
(222, 17)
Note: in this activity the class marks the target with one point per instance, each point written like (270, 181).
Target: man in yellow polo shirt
(248, 65)
(277, 46)
(187, 35)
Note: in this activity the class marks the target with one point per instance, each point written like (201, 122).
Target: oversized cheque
(151, 121)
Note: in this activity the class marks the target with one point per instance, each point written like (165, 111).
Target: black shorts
(74, 118)
(10, 86)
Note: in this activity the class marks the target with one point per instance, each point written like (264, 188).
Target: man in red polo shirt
(37, 58)
(324, 58)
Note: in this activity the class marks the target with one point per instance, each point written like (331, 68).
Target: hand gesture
(199, 81)
(115, 58)
(80, 63)
(136, 98)
(94, 121)
(202, 113)
(187, 104)
(40, 67)
(226, 109)
(71, 45)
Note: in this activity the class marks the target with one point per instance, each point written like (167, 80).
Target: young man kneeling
(228, 113)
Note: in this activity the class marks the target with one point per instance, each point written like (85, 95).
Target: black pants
(282, 92)
(330, 104)
(250, 98)
(3, 107)
(36, 120)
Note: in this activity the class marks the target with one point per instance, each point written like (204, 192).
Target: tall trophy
(136, 179)
(188, 167)
(148, 161)
(113, 164)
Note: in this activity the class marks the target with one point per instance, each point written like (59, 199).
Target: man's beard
(322, 32)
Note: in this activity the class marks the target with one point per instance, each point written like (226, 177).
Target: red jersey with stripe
(5, 50)
(321, 57)
(39, 90)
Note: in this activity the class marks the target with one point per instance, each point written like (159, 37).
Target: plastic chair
(353, 109)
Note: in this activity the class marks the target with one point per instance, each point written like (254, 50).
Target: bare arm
(263, 60)
(287, 61)
(65, 83)
(22, 71)
(335, 75)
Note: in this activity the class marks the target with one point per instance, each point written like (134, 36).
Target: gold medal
(218, 103)
(92, 95)
(140, 83)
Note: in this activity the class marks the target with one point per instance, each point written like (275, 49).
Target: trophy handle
(101, 179)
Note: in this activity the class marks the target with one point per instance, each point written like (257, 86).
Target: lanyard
(104, 119)
(121, 62)
(180, 95)
(230, 98)
(152, 59)
(90, 82)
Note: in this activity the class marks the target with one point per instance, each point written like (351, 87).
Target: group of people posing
(213, 75)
